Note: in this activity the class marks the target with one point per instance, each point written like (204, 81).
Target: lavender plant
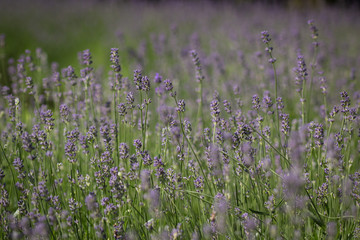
(150, 154)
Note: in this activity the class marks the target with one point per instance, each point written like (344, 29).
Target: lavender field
(179, 121)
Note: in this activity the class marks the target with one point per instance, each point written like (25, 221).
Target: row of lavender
(164, 157)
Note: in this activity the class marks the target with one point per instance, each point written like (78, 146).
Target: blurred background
(139, 28)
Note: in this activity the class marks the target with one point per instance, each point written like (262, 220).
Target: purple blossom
(130, 100)
(64, 113)
(199, 182)
(138, 79)
(86, 58)
(119, 232)
(168, 85)
(265, 37)
(47, 119)
(215, 110)
(227, 106)
(285, 125)
(70, 146)
(123, 151)
(74, 206)
(158, 162)
(146, 158)
(29, 85)
(197, 63)
(301, 72)
(122, 109)
(345, 102)
(181, 106)
(255, 102)
(158, 78)
(145, 82)
(114, 59)
(137, 144)
(26, 142)
(314, 32)
(69, 73)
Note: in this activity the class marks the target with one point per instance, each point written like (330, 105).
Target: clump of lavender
(80, 164)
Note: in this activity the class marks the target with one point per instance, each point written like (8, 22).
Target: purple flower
(119, 232)
(181, 106)
(215, 110)
(345, 102)
(146, 158)
(70, 146)
(255, 102)
(42, 190)
(86, 58)
(197, 63)
(199, 182)
(29, 84)
(176, 232)
(91, 134)
(47, 119)
(123, 151)
(265, 37)
(268, 103)
(122, 109)
(64, 113)
(145, 82)
(138, 144)
(280, 104)
(130, 100)
(104, 201)
(227, 106)
(114, 59)
(301, 72)
(138, 79)
(74, 206)
(26, 142)
(285, 126)
(168, 85)
(318, 134)
(69, 73)
(158, 78)
(314, 32)
(158, 162)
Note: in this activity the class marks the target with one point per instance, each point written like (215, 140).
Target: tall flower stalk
(199, 78)
(265, 36)
(314, 36)
(116, 86)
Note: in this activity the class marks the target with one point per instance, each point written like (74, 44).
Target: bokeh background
(63, 28)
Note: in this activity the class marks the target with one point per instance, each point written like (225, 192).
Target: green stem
(200, 117)
(12, 172)
(313, 66)
(145, 125)
(276, 97)
(116, 131)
